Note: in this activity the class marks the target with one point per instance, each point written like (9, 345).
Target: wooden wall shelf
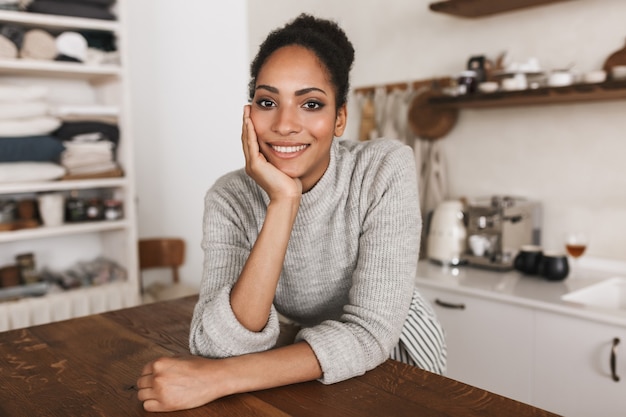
(610, 90)
(480, 8)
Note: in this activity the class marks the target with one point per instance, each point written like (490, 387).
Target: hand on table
(180, 383)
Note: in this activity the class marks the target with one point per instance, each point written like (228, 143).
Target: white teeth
(288, 149)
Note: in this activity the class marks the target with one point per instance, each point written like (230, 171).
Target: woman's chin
(291, 171)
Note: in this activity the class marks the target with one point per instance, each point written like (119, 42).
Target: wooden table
(88, 367)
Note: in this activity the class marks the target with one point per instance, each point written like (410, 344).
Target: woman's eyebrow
(297, 93)
(308, 90)
(268, 88)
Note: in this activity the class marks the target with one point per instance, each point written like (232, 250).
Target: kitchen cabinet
(489, 343)
(75, 84)
(572, 371)
(528, 348)
(480, 8)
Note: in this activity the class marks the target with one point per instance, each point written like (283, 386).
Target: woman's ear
(340, 120)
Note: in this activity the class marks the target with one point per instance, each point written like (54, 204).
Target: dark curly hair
(321, 36)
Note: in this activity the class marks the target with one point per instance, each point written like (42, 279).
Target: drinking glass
(575, 245)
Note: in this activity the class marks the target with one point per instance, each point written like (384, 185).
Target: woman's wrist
(287, 205)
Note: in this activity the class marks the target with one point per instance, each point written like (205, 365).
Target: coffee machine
(497, 226)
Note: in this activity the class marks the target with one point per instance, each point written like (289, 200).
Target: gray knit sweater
(349, 270)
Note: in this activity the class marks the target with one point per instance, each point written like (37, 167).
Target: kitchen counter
(515, 288)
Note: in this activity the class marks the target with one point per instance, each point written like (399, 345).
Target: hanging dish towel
(435, 185)
(380, 98)
(390, 128)
(368, 119)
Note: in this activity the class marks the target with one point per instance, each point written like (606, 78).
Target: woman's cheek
(259, 122)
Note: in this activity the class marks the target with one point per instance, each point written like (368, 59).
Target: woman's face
(294, 116)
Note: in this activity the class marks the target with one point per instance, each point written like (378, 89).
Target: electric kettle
(447, 234)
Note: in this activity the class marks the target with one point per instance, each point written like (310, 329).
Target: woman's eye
(265, 103)
(313, 105)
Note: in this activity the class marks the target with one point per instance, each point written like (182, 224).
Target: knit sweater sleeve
(228, 237)
(383, 280)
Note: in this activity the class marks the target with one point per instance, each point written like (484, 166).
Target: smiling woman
(322, 231)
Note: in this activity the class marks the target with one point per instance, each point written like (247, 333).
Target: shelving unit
(481, 8)
(70, 243)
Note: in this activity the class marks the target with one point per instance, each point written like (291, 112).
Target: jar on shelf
(75, 210)
(112, 209)
(93, 209)
(467, 82)
(26, 265)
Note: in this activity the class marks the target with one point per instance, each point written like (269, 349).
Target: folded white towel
(29, 171)
(32, 126)
(88, 147)
(93, 169)
(87, 160)
(23, 110)
(18, 94)
(86, 110)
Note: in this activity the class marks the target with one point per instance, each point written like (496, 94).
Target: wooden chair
(163, 253)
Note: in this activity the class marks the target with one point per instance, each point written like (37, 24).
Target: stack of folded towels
(41, 141)
(28, 149)
(90, 135)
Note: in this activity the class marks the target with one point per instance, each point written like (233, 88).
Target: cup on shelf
(51, 208)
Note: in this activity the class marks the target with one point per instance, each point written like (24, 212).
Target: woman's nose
(286, 121)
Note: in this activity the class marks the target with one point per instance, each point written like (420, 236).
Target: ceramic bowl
(488, 87)
(618, 72)
(591, 77)
(560, 79)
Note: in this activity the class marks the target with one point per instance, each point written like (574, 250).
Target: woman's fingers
(249, 142)
(244, 131)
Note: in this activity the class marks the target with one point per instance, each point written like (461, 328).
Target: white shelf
(60, 69)
(74, 83)
(57, 22)
(29, 187)
(66, 229)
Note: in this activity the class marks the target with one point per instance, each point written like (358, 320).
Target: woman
(322, 231)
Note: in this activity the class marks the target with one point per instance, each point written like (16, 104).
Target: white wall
(188, 84)
(570, 157)
(189, 72)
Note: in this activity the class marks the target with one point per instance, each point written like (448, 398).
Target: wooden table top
(88, 367)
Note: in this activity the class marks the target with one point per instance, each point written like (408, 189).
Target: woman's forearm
(277, 367)
(252, 295)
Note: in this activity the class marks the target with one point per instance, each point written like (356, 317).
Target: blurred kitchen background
(189, 72)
